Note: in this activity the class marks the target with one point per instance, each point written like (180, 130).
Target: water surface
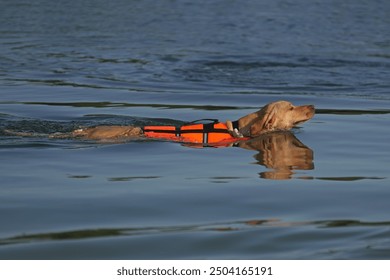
(319, 192)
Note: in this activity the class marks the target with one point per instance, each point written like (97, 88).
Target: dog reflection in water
(282, 153)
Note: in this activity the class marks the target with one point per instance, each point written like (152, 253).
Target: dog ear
(270, 118)
(265, 121)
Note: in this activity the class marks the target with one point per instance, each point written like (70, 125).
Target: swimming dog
(276, 116)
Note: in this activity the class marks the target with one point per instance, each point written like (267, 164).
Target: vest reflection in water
(282, 153)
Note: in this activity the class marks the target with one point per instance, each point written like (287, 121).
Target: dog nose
(311, 111)
(310, 107)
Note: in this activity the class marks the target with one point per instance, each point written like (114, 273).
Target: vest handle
(203, 121)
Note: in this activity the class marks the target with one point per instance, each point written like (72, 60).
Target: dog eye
(291, 108)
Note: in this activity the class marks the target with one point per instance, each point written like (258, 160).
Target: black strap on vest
(235, 125)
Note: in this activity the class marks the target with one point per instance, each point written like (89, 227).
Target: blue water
(66, 64)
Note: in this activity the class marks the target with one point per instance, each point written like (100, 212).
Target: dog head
(279, 115)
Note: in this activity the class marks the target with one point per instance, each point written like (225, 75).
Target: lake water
(66, 64)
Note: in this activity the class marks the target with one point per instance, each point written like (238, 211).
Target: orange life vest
(210, 133)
